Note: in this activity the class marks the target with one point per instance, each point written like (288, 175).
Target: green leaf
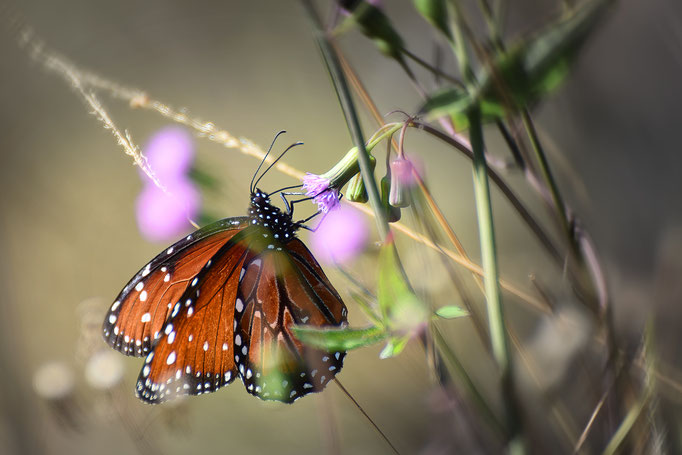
(451, 101)
(391, 286)
(374, 24)
(451, 312)
(455, 102)
(531, 68)
(339, 339)
(394, 347)
(436, 13)
(538, 65)
(403, 313)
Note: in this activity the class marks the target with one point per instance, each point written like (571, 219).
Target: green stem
(432, 68)
(458, 45)
(491, 24)
(343, 93)
(547, 173)
(498, 333)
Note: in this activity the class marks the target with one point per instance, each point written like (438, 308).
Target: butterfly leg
(290, 205)
(301, 223)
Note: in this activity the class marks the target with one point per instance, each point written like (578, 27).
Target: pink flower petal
(162, 217)
(170, 152)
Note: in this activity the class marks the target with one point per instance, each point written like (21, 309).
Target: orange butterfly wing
(140, 311)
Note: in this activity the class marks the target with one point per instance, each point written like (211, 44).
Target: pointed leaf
(394, 347)
(537, 66)
(436, 12)
(339, 339)
(451, 312)
(532, 68)
(374, 24)
(403, 313)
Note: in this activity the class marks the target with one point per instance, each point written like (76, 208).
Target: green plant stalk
(498, 333)
(343, 93)
(458, 46)
(546, 172)
(491, 24)
(583, 276)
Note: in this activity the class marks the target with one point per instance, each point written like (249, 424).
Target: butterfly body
(219, 304)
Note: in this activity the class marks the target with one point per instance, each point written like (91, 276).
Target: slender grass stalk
(343, 93)
(497, 330)
(546, 173)
(492, 24)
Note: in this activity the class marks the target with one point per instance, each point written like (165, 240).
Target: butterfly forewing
(143, 306)
(280, 286)
(195, 352)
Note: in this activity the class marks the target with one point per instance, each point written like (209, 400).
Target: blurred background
(69, 238)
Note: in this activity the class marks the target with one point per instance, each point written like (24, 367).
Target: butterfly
(220, 303)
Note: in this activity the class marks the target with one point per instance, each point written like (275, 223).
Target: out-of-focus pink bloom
(341, 235)
(165, 216)
(170, 152)
(317, 187)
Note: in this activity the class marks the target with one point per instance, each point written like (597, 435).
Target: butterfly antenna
(357, 405)
(251, 186)
(275, 162)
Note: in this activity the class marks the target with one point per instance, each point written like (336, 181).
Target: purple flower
(170, 152)
(165, 216)
(341, 235)
(317, 187)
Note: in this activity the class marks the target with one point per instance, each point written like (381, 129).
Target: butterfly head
(263, 213)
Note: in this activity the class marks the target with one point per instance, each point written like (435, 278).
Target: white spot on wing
(146, 317)
(171, 358)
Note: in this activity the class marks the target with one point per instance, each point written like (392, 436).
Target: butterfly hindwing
(195, 353)
(143, 306)
(281, 285)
